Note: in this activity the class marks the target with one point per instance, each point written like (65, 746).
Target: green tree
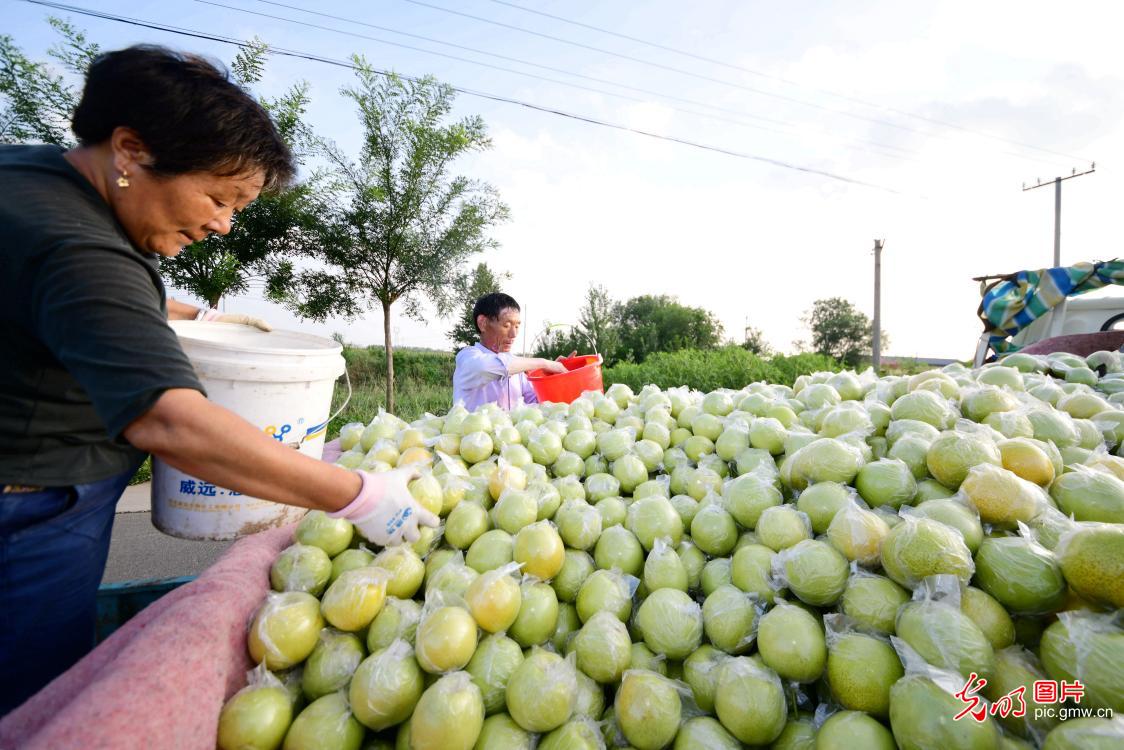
(36, 101)
(755, 342)
(403, 226)
(840, 330)
(559, 340)
(659, 323)
(598, 319)
(268, 234)
(469, 288)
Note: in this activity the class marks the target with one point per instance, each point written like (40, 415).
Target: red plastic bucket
(583, 373)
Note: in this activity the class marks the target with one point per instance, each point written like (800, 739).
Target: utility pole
(876, 343)
(1058, 205)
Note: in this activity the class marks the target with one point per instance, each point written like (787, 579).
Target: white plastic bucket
(280, 382)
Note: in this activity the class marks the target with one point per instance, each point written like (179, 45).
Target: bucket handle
(346, 401)
(552, 326)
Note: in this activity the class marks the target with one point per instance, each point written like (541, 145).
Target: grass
(710, 369)
(423, 383)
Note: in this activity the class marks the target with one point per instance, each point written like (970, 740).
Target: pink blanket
(161, 679)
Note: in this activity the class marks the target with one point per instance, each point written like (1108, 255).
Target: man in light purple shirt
(488, 371)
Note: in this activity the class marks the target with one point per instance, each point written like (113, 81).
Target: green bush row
(710, 369)
(367, 366)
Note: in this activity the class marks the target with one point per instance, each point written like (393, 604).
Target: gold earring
(123, 180)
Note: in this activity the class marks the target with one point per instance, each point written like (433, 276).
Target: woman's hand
(384, 511)
(215, 316)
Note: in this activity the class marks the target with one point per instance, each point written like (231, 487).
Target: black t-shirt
(85, 346)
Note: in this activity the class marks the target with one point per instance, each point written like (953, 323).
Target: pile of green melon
(821, 566)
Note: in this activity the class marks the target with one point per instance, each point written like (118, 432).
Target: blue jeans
(53, 547)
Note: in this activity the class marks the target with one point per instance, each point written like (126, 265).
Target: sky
(935, 114)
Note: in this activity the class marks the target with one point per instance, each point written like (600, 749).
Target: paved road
(138, 550)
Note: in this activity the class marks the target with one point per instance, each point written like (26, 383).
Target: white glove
(215, 316)
(384, 511)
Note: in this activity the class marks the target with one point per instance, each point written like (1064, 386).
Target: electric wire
(194, 33)
(781, 79)
(711, 79)
(885, 150)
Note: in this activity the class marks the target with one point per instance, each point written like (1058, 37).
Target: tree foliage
(469, 288)
(659, 323)
(840, 330)
(401, 226)
(597, 319)
(755, 342)
(37, 101)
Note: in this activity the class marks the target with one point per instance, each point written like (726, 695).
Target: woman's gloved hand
(384, 511)
(213, 315)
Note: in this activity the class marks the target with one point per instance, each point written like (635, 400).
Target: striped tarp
(1013, 302)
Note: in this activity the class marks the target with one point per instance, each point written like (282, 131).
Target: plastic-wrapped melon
(257, 716)
(496, 659)
(285, 629)
(934, 626)
(923, 406)
(1087, 646)
(813, 570)
(750, 701)
(953, 454)
(332, 535)
(825, 460)
(538, 614)
(653, 518)
(386, 687)
(1092, 559)
(606, 591)
(920, 547)
(449, 715)
(406, 569)
(539, 549)
(791, 641)
(858, 533)
(494, 599)
(1021, 574)
(325, 724)
(603, 648)
(1001, 497)
(398, 619)
(331, 663)
(301, 567)
(730, 619)
(671, 623)
(1090, 495)
(446, 637)
(541, 692)
(861, 669)
(886, 482)
(647, 709)
(500, 732)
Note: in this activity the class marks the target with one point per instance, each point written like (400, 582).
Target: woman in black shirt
(93, 378)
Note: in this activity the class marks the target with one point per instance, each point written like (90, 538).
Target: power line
(700, 76)
(780, 79)
(183, 31)
(860, 145)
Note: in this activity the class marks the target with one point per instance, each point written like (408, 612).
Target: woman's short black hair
(491, 305)
(188, 112)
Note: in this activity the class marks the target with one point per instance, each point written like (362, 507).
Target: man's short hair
(491, 305)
